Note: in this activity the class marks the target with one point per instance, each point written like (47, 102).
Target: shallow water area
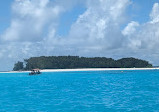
(89, 91)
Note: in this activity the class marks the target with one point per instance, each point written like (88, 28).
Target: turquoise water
(99, 91)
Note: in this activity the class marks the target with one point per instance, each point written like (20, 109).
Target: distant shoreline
(84, 69)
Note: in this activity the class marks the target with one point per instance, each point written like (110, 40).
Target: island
(75, 62)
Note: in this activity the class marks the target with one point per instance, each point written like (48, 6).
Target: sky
(91, 28)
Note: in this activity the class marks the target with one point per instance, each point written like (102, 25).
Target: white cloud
(31, 18)
(130, 28)
(144, 38)
(100, 24)
(155, 13)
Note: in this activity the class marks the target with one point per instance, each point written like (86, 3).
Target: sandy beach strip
(96, 69)
(84, 69)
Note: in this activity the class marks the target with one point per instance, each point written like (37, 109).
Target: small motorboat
(35, 72)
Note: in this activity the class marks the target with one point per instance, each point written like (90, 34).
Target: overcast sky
(109, 28)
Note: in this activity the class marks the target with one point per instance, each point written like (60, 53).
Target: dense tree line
(66, 62)
(18, 66)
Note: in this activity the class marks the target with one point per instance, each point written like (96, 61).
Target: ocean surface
(98, 91)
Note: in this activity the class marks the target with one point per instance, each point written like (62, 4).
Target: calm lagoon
(89, 91)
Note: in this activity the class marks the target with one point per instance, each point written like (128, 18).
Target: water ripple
(106, 91)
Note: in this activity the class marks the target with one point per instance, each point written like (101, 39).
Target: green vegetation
(18, 66)
(68, 62)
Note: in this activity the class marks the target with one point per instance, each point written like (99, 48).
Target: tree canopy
(68, 62)
(18, 66)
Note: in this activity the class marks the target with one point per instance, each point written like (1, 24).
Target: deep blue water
(99, 91)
